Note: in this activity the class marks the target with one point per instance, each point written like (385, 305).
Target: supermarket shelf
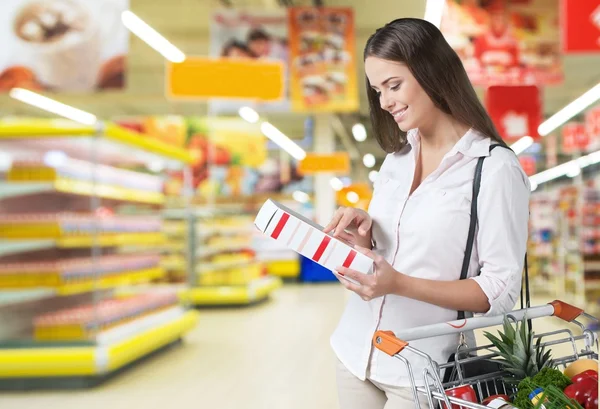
(592, 285)
(76, 187)
(205, 250)
(102, 283)
(49, 362)
(113, 240)
(284, 268)
(52, 128)
(204, 267)
(8, 247)
(254, 292)
(12, 297)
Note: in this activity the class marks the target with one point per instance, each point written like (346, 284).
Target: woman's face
(399, 93)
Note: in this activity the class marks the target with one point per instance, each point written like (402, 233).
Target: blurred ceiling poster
(63, 45)
(251, 35)
(506, 42)
(323, 59)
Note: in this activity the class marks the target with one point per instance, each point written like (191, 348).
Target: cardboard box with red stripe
(307, 238)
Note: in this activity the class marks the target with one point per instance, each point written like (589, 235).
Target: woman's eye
(395, 87)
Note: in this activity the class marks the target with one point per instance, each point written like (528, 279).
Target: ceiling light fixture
(249, 115)
(369, 160)
(568, 112)
(359, 132)
(151, 37)
(522, 145)
(283, 141)
(373, 175)
(566, 169)
(336, 184)
(434, 10)
(352, 197)
(50, 105)
(300, 196)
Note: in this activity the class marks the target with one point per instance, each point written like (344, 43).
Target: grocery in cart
(517, 369)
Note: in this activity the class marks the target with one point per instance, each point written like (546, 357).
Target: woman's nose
(385, 102)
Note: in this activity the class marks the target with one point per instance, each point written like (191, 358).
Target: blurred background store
(139, 138)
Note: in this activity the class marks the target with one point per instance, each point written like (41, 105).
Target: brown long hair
(438, 69)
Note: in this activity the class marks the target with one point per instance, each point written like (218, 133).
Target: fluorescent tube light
(568, 112)
(522, 144)
(151, 37)
(434, 9)
(50, 105)
(283, 141)
(248, 115)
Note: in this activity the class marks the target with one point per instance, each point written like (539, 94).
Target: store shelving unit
(224, 269)
(72, 309)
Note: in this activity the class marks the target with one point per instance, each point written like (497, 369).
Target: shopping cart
(492, 383)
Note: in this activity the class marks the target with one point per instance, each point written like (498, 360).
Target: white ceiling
(185, 23)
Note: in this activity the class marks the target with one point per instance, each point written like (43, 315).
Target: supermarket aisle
(275, 355)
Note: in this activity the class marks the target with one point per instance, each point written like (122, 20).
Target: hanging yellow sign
(203, 78)
(338, 162)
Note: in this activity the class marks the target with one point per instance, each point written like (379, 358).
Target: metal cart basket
(491, 383)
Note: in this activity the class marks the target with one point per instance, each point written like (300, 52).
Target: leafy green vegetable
(550, 376)
(522, 401)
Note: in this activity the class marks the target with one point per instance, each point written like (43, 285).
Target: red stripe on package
(349, 259)
(284, 219)
(322, 248)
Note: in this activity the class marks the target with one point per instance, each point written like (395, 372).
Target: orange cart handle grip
(387, 342)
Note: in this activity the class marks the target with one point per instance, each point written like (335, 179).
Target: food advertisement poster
(322, 59)
(506, 42)
(231, 159)
(250, 35)
(63, 45)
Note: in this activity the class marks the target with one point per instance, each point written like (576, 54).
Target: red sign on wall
(580, 22)
(515, 110)
(574, 137)
(528, 164)
(592, 126)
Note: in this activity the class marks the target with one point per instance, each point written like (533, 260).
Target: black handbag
(479, 368)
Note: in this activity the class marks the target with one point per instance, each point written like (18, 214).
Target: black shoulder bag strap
(471, 236)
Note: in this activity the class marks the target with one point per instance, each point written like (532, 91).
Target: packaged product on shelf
(307, 238)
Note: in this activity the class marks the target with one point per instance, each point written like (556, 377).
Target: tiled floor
(274, 355)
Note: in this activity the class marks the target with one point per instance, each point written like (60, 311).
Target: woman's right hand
(351, 225)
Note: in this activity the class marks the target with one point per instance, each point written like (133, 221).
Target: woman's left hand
(383, 281)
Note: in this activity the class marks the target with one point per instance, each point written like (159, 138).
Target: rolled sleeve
(503, 213)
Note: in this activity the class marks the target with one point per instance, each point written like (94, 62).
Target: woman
(426, 115)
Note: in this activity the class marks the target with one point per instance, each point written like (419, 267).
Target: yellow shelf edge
(115, 240)
(147, 143)
(83, 188)
(50, 128)
(230, 295)
(142, 344)
(85, 361)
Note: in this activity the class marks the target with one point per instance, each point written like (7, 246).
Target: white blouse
(424, 235)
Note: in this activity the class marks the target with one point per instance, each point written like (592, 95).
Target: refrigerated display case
(81, 252)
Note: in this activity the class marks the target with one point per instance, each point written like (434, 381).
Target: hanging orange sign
(203, 78)
(322, 163)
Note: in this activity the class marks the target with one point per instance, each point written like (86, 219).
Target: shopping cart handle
(565, 311)
(387, 342)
